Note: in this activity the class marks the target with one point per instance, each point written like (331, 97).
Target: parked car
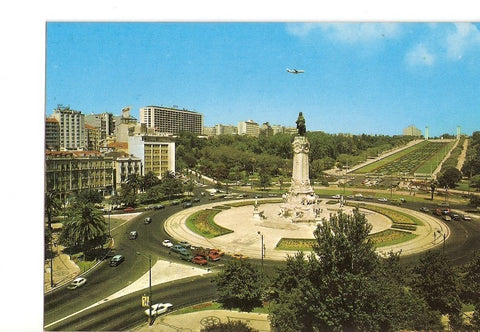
(178, 249)
(158, 207)
(147, 220)
(133, 235)
(186, 256)
(465, 217)
(199, 260)
(187, 205)
(167, 243)
(129, 209)
(196, 199)
(185, 244)
(424, 209)
(117, 259)
(455, 216)
(77, 282)
(175, 202)
(158, 309)
(239, 256)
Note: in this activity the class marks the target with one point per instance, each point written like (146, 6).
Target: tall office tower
(52, 134)
(72, 128)
(103, 121)
(171, 120)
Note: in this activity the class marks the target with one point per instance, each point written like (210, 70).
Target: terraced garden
(420, 158)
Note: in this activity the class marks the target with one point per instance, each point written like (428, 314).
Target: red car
(129, 209)
(199, 260)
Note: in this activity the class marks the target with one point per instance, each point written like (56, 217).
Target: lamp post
(261, 236)
(150, 321)
(109, 228)
(51, 263)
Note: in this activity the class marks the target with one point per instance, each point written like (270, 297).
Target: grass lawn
(201, 222)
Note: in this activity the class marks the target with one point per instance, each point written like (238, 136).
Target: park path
(463, 155)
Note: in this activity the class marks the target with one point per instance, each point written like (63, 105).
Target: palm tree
(85, 224)
(52, 205)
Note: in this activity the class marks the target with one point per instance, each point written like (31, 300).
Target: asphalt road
(125, 312)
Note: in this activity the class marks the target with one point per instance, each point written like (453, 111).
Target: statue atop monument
(301, 125)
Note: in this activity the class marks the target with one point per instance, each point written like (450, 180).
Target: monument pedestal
(299, 202)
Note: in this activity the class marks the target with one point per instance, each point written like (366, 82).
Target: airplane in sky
(295, 71)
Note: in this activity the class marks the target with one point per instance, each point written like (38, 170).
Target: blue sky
(359, 78)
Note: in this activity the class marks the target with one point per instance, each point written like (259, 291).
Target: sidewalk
(195, 321)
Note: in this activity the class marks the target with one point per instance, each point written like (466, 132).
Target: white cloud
(348, 32)
(465, 36)
(420, 56)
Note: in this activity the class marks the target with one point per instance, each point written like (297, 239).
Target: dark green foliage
(470, 281)
(436, 281)
(240, 285)
(345, 286)
(449, 177)
(230, 326)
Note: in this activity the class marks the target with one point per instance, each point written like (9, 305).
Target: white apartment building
(249, 128)
(171, 120)
(157, 153)
(72, 128)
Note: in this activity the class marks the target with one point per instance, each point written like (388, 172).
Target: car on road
(196, 199)
(158, 309)
(167, 243)
(199, 260)
(158, 207)
(187, 205)
(133, 235)
(336, 196)
(444, 204)
(239, 256)
(465, 217)
(186, 256)
(129, 209)
(147, 220)
(175, 202)
(77, 282)
(424, 209)
(178, 249)
(116, 260)
(455, 216)
(185, 244)
(383, 199)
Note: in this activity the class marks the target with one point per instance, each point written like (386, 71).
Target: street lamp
(261, 236)
(109, 228)
(150, 321)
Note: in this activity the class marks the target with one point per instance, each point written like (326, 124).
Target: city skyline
(359, 78)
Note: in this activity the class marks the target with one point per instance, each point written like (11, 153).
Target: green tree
(52, 206)
(170, 185)
(89, 196)
(264, 178)
(449, 177)
(230, 326)
(436, 281)
(344, 285)
(240, 285)
(150, 180)
(84, 226)
(470, 281)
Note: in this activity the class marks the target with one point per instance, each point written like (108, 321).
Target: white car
(77, 282)
(383, 199)
(167, 243)
(158, 309)
(336, 196)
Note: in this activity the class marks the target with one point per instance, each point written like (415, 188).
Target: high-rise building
(156, 152)
(72, 128)
(249, 128)
(171, 120)
(104, 121)
(52, 134)
(92, 137)
(221, 129)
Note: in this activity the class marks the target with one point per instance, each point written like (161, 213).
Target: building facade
(125, 165)
(72, 128)
(104, 121)
(171, 120)
(221, 129)
(52, 134)
(92, 137)
(68, 172)
(249, 128)
(157, 153)
(412, 131)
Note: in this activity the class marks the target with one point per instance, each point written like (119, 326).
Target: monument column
(300, 173)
